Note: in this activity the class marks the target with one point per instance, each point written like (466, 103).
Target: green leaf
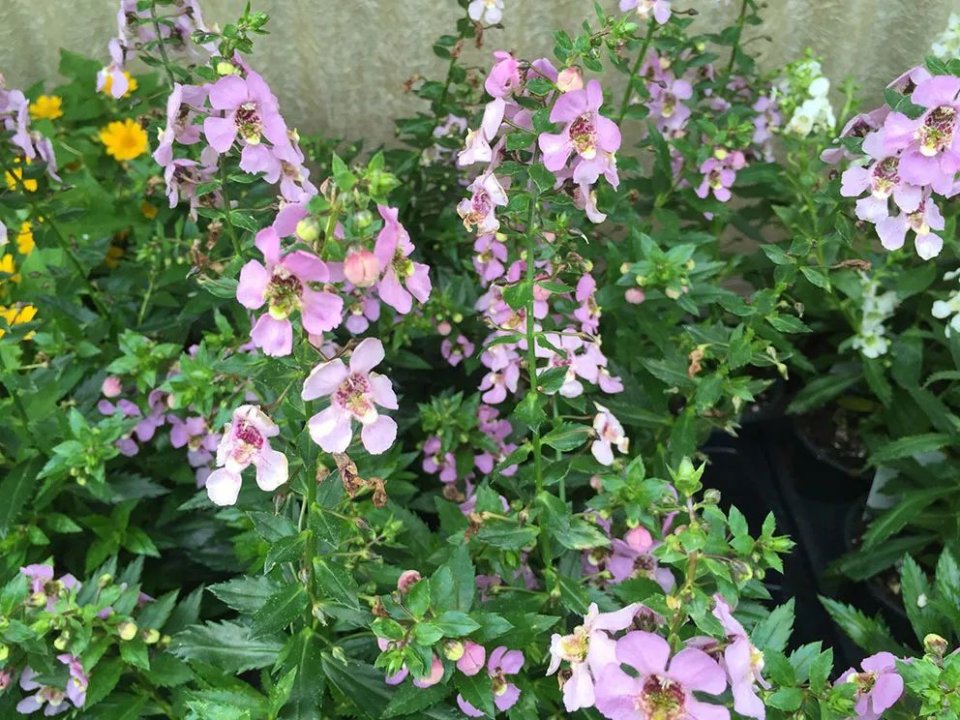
(543, 178)
(910, 446)
(410, 699)
(507, 535)
(336, 583)
(820, 391)
(788, 699)
(518, 294)
(871, 634)
(283, 607)
(478, 691)
(16, 489)
(916, 599)
(231, 647)
(417, 600)
(344, 179)
(103, 681)
(573, 595)
(773, 632)
(566, 436)
(816, 277)
(455, 624)
(245, 594)
(529, 411)
(361, 685)
(897, 517)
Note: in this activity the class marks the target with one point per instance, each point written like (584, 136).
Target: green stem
(146, 298)
(531, 247)
(741, 20)
(78, 266)
(160, 46)
(635, 69)
(227, 210)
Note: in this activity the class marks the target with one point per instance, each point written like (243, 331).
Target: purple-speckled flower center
(885, 177)
(661, 699)
(918, 221)
(936, 133)
(583, 135)
(354, 395)
(668, 104)
(866, 681)
(499, 683)
(249, 123)
(283, 293)
(249, 436)
(52, 695)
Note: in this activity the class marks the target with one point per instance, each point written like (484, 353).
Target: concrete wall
(338, 66)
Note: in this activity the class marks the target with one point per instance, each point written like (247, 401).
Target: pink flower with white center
(402, 278)
(282, 285)
(743, 663)
(879, 686)
(660, 9)
(118, 79)
(250, 111)
(504, 76)
(77, 683)
(487, 194)
(355, 392)
(663, 686)
(362, 309)
(925, 219)
(882, 179)
(931, 143)
(610, 434)
(570, 79)
(585, 198)
(491, 254)
(588, 650)
(501, 663)
(589, 311)
(719, 173)
(196, 436)
(51, 700)
(504, 375)
(587, 134)
(487, 11)
(857, 127)
(455, 351)
(245, 442)
(434, 460)
(477, 146)
(667, 106)
(44, 590)
(633, 557)
(579, 364)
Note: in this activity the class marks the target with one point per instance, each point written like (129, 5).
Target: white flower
(871, 339)
(943, 309)
(490, 11)
(948, 44)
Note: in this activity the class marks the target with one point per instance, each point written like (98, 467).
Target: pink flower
(52, 700)
(477, 147)
(666, 103)
(283, 286)
(361, 268)
(245, 442)
(588, 650)
(719, 173)
(77, 683)
(633, 557)
(504, 76)
(402, 278)
(502, 662)
(660, 9)
(112, 386)
(454, 352)
(250, 111)
(882, 178)
(587, 134)
(925, 219)
(663, 686)
(183, 106)
(473, 658)
(480, 210)
(433, 677)
(435, 461)
(354, 394)
(407, 579)
(879, 686)
(743, 663)
(196, 436)
(491, 254)
(570, 79)
(609, 433)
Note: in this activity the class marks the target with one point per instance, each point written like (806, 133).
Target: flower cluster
(909, 160)
(947, 45)
(871, 339)
(803, 93)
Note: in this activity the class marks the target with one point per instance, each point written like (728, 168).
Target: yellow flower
(8, 268)
(25, 243)
(124, 140)
(108, 84)
(148, 210)
(47, 107)
(114, 255)
(15, 179)
(17, 315)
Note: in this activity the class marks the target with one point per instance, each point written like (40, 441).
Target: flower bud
(444, 328)
(361, 267)
(363, 219)
(112, 386)
(473, 658)
(408, 578)
(711, 496)
(634, 296)
(226, 68)
(453, 650)
(4, 653)
(61, 642)
(570, 79)
(435, 675)
(127, 630)
(308, 229)
(37, 599)
(151, 636)
(935, 645)
(458, 317)
(104, 580)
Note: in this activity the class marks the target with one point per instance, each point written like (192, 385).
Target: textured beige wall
(338, 66)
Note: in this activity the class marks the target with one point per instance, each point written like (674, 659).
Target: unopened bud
(935, 645)
(112, 386)
(458, 317)
(361, 267)
(444, 328)
(408, 578)
(308, 229)
(62, 641)
(472, 658)
(226, 68)
(127, 631)
(151, 636)
(711, 496)
(570, 79)
(4, 652)
(363, 219)
(37, 599)
(634, 296)
(453, 650)
(104, 580)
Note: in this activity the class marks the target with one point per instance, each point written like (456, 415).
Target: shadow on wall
(311, 58)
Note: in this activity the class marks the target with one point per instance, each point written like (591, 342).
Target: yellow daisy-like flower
(15, 179)
(17, 315)
(9, 269)
(124, 140)
(47, 107)
(148, 210)
(114, 255)
(108, 84)
(25, 243)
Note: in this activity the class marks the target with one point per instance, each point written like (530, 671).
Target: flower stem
(736, 42)
(531, 247)
(227, 210)
(160, 46)
(635, 69)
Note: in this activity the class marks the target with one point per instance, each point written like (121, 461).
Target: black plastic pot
(819, 473)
